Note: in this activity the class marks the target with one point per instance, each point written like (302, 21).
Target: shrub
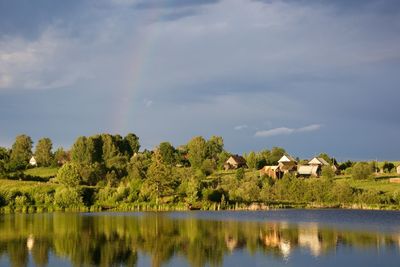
(67, 197)
(361, 171)
(327, 172)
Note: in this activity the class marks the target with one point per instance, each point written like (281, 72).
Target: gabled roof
(286, 158)
(307, 170)
(238, 159)
(318, 161)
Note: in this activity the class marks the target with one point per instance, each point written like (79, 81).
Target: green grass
(381, 183)
(24, 186)
(44, 172)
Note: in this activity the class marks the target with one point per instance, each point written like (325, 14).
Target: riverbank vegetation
(110, 172)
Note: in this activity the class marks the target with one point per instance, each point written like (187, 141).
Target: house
(398, 169)
(271, 171)
(32, 161)
(287, 164)
(308, 170)
(235, 162)
(318, 161)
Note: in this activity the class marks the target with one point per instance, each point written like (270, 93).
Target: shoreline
(164, 208)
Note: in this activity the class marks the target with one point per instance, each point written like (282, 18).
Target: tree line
(109, 171)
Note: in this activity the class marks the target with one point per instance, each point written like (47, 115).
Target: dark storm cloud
(310, 76)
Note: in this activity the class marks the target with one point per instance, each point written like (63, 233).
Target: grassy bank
(219, 191)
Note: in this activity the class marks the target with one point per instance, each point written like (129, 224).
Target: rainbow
(142, 45)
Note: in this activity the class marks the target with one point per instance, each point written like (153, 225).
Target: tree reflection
(120, 239)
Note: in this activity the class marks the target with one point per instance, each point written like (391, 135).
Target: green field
(44, 172)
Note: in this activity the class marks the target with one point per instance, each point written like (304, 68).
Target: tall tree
(251, 160)
(215, 145)
(160, 180)
(60, 156)
(81, 151)
(275, 155)
(21, 151)
(132, 144)
(167, 153)
(197, 149)
(43, 154)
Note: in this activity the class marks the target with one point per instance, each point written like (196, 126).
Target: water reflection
(122, 239)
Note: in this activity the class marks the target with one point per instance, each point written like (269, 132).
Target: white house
(32, 161)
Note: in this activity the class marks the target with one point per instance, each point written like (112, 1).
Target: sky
(308, 75)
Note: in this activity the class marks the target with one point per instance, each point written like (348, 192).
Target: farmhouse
(318, 162)
(32, 161)
(271, 171)
(234, 162)
(398, 169)
(287, 164)
(308, 170)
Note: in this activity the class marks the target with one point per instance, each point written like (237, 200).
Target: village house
(33, 161)
(308, 170)
(271, 171)
(235, 162)
(287, 164)
(398, 169)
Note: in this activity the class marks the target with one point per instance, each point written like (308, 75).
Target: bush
(361, 171)
(68, 175)
(327, 172)
(67, 197)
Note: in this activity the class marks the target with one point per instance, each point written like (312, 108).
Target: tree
(197, 149)
(167, 153)
(251, 160)
(68, 175)
(160, 180)
(388, 166)
(21, 152)
(132, 144)
(215, 145)
(240, 174)
(361, 171)
(326, 158)
(327, 172)
(275, 155)
(43, 154)
(4, 154)
(60, 156)
(83, 150)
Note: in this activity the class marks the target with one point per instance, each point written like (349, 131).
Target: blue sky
(310, 76)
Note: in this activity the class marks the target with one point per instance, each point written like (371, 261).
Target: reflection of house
(287, 164)
(309, 238)
(274, 239)
(235, 162)
(231, 243)
(32, 161)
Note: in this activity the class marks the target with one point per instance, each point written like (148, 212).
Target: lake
(202, 238)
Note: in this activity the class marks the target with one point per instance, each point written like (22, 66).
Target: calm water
(265, 238)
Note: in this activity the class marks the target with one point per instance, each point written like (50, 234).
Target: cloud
(240, 127)
(287, 131)
(148, 103)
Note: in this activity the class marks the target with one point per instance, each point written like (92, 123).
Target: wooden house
(271, 171)
(234, 162)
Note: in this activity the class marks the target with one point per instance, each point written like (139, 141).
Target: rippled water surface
(260, 238)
